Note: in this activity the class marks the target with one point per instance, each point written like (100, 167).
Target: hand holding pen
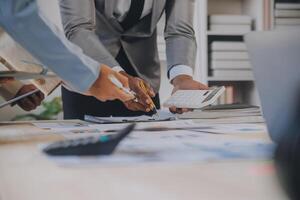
(142, 92)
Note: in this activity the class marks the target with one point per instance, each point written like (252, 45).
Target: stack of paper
(287, 16)
(246, 115)
(230, 59)
(240, 24)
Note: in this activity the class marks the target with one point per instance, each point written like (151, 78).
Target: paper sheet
(60, 125)
(163, 115)
(177, 146)
(235, 129)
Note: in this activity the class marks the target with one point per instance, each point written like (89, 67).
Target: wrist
(180, 79)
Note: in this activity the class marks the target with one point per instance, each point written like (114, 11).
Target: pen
(117, 83)
(153, 107)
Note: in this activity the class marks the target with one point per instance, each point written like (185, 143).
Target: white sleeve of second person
(118, 69)
(180, 70)
(22, 21)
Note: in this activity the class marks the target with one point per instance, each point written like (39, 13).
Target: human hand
(184, 82)
(31, 102)
(144, 100)
(104, 90)
(5, 80)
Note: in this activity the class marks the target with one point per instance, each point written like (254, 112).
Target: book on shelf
(230, 19)
(233, 55)
(228, 97)
(243, 29)
(231, 65)
(287, 13)
(286, 27)
(228, 46)
(232, 73)
(287, 21)
(267, 15)
(288, 6)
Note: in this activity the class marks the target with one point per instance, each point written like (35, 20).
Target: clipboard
(120, 120)
(20, 75)
(14, 100)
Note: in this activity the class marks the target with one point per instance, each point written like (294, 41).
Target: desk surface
(28, 175)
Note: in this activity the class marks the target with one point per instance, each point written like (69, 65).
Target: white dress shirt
(120, 13)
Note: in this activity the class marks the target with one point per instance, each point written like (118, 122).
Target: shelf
(205, 36)
(214, 33)
(230, 78)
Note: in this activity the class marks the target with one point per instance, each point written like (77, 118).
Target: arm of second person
(21, 20)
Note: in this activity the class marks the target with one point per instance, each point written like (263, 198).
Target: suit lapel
(109, 7)
(157, 8)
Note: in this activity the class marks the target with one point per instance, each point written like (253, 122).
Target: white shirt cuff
(118, 69)
(180, 70)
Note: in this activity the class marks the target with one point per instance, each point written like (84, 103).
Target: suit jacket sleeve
(180, 38)
(23, 22)
(79, 22)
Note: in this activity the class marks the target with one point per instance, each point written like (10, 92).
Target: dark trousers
(75, 105)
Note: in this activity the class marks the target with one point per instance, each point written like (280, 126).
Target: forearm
(10, 90)
(181, 46)
(20, 18)
(180, 51)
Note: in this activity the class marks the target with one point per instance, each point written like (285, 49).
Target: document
(58, 125)
(235, 129)
(180, 146)
(162, 116)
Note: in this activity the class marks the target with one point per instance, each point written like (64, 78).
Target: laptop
(275, 57)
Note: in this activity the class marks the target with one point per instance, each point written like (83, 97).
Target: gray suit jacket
(91, 25)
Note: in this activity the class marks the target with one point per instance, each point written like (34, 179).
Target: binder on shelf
(288, 6)
(230, 28)
(228, 46)
(287, 13)
(286, 27)
(287, 21)
(230, 19)
(234, 55)
(231, 65)
(232, 73)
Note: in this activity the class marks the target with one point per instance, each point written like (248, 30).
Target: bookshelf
(263, 14)
(245, 91)
(244, 87)
(285, 16)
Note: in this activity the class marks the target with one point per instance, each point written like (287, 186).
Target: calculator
(194, 99)
(88, 146)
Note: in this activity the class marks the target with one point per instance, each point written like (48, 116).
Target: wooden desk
(26, 174)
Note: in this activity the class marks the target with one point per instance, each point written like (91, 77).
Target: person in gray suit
(122, 34)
